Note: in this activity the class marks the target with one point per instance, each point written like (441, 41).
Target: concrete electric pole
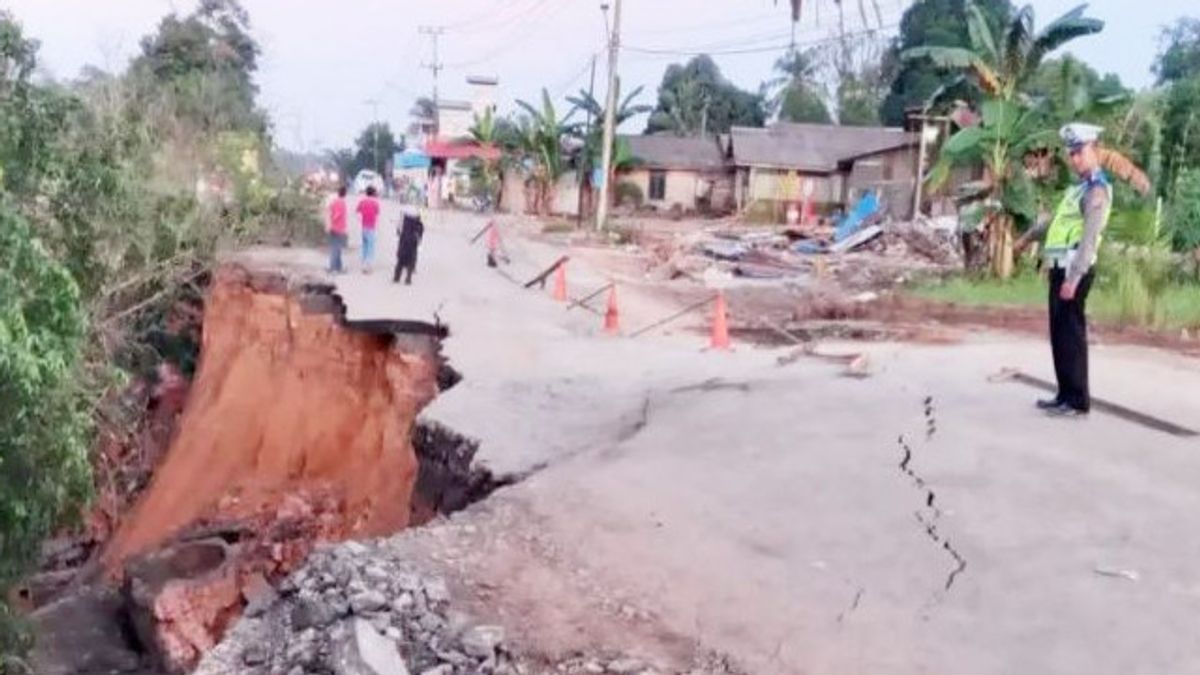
(435, 66)
(610, 119)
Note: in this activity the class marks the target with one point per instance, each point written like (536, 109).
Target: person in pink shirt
(337, 231)
(368, 212)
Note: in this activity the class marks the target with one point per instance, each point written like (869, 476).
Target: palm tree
(540, 138)
(1001, 66)
(592, 137)
(796, 94)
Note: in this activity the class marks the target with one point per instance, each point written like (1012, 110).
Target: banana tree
(540, 139)
(1001, 66)
(1005, 196)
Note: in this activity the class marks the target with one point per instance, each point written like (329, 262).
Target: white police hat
(1078, 134)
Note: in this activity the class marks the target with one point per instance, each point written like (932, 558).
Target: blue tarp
(864, 209)
(867, 206)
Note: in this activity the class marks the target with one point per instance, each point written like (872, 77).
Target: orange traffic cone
(560, 283)
(493, 244)
(612, 317)
(493, 237)
(720, 326)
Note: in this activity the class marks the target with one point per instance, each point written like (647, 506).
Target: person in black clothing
(411, 232)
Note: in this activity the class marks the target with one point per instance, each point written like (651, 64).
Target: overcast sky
(324, 60)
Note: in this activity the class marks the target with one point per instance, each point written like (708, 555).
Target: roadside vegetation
(1118, 300)
(1151, 146)
(116, 192)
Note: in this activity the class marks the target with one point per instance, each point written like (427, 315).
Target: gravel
(353, 610)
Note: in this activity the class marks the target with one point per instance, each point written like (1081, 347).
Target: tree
(696, 98)
(539, 139)
(858, 67)
(796, 94)
(931, 22)
(493, 132)
(1180, 55)
(374, 148)
(44, 470)
(1183, 217)
(1178, 67)
(1070, 89)
(1001, 65)
(1181, 130)
(205, 62)
(590, 155)
(421, 116)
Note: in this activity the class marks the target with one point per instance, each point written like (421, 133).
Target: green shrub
(1183, 214)
(630, 193)
(44, 470)
(1134, 225)
(285, 216)
(1135, 304)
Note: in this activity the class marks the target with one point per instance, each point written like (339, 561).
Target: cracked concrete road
(683, 501)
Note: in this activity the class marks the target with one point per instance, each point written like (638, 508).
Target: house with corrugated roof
(686, 174)
(786, 164)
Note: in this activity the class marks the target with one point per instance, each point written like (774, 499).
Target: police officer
(1072, 239)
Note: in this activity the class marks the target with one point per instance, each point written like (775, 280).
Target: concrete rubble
(879, 256)
(355, 610)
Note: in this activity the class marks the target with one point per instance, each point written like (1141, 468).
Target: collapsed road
(658, 522)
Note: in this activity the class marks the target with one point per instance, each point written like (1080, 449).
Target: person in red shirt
(368, 212)
(337, 231)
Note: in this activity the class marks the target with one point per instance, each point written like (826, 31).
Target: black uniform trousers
(1068, 340)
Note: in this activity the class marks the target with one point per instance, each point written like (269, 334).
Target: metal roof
(674, 152)
(817, 148)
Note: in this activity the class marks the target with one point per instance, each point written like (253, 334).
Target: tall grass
(1136, 288)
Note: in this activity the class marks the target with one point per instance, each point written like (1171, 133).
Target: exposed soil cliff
(286, 399)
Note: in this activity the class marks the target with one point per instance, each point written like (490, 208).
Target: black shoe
(1066, 410)
(1049, 403)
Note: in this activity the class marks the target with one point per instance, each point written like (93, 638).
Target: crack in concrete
(858, 596)
(930, 420)
(929, 523)
(713, 384)
(638, 424)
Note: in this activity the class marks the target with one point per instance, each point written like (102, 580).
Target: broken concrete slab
(364, 651)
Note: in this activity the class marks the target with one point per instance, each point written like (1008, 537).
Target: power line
(534, 12)
(760, 49)
(722, 25)
(563, 88)
(485, 22)
(766, 39)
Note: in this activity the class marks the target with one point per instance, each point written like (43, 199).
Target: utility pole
(435, 66)
(925, 118)
(588, 135)
(610, 118)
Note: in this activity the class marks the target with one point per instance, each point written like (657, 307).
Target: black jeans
(1068, 340)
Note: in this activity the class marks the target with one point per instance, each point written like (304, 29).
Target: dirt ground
(674, 501)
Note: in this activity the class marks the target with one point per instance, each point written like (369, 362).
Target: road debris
(319, 623)
(1129, 575)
